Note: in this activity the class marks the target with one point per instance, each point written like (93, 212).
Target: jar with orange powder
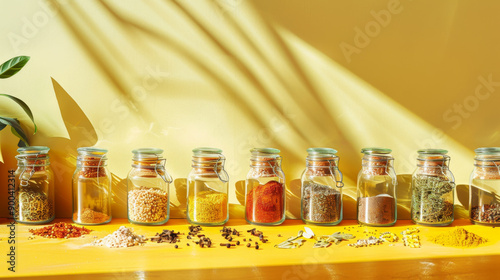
(265, 188)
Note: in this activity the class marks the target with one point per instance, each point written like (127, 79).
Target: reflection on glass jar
(321, 200)
(265, 188)
(34, 194)
(484, 188)
(148, 188)
(432, 189)
(91, 187)
(207, 192)
(377, 183)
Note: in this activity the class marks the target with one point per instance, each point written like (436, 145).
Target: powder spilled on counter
(459, 237)
(60, 230)
(123, 237)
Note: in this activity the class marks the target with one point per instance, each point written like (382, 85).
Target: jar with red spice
(91, 187)
(432, 189)
(376, 194)
(34, 192)
(484, 188)
(265, 188)
(148, 188)
(321, 201)
(207, 188)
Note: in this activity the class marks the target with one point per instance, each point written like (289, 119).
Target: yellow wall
(237, 74)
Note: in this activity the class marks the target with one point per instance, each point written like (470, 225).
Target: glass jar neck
(87, 160)
(148, 162)
(31, 160)
(433, 161)
(322, 161)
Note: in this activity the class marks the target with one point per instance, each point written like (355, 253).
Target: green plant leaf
(24, 106)
(10, 67)
(16, 128)
(2, 126)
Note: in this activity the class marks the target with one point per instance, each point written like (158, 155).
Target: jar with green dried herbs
(484, 188)
(432, 189)
(321, 182)
(34, 193)
(376, 193)
(207, 188)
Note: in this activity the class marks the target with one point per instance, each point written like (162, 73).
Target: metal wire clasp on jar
(91, 187)
(148, 188)
(376, 192)
(321, 182)
(265, 188)
(432, 189)
(34, 192)
(484, 188)
(207, 188)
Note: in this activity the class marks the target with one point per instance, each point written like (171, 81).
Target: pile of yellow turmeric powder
(459, 237)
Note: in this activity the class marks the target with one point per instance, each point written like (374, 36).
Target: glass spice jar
(34, 193)
(376, 194)
(432, 189)
(91, 187)
(484, 188)
(321, 181)
(265, 188)
(148, 188)
(207, 188)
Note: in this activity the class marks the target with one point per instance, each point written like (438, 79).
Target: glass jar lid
(147, 153)
(206, 150)
(92, 151)
(432, 152)
(375, 150)
(33, 150)
(321, 152)
(265, 151)
(488, 151)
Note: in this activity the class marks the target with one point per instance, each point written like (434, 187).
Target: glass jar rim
(206, 150)
(375, 150)
(98, 152)
(33, 150)
(321, 151)
(265, 151)
(432, 152)
(487, 151)
(147, 151)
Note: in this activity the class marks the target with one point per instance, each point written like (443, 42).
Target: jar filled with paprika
(148, 188)
(207, 188)
(484, 188)
(321, 182)
(91, 187)
(265, 188)
(34, 192)
(377, 183)
(432, 189)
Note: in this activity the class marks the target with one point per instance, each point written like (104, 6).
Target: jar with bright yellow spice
(207, 188)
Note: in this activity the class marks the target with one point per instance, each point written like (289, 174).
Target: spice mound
(208, 207)
(147, 205)
(377, 210)
(89, 216)
(488, 213)
(60, 230)
(167, 236)
(320, 203)
(265, 203)
(459, 237)
(33, 206)
(123, 237)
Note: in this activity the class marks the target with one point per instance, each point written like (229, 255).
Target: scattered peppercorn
(256, 247)
(228, 246)
(176, 246)
(248, 245)
(238, 242)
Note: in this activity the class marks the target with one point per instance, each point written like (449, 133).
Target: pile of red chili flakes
(60, 230)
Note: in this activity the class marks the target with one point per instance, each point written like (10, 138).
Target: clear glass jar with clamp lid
(207, 188)
(34, 193)
(484, 188)
(148, 188)
(321, 201)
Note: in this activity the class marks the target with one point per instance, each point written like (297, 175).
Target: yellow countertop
(75, 258)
